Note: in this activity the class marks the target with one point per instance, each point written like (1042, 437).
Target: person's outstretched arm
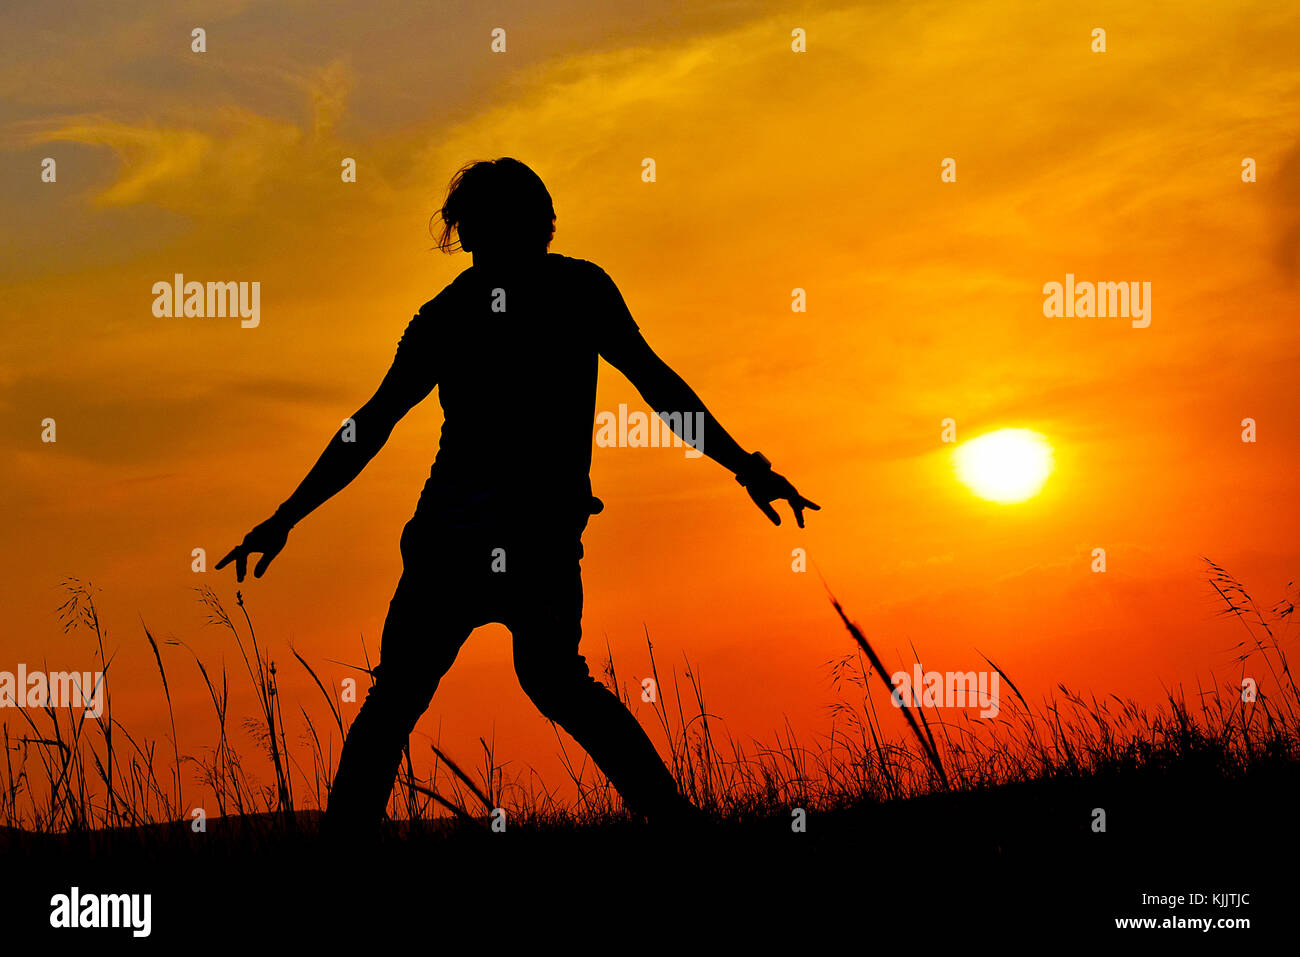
(407, 383)
(628, 352)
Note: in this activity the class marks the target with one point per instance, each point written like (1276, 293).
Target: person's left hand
(768, 487)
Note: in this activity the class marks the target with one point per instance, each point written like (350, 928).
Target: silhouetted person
(512, 344)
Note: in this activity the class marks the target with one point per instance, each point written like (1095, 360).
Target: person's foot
(680, 817)
(345, 833)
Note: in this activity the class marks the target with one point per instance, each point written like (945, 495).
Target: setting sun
(1009, 465)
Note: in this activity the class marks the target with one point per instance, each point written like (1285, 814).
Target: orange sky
(775, 170)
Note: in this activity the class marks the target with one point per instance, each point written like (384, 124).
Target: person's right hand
(266, 539)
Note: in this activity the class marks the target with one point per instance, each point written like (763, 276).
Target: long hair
(500, 198)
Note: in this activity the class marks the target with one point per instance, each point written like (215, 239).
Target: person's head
(496, 207)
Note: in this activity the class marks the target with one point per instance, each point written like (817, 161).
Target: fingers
(239, 554)
(256, 541)
(787, 494)
(767, 509)
(798, 503)
(263, 562)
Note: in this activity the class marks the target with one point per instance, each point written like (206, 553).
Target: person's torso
(517, 360)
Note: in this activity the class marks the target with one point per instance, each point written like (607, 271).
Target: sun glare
(1009, 465)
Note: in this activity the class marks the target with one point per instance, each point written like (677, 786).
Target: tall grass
(66, 773)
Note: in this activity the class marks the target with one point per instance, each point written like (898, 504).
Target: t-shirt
(514, 357)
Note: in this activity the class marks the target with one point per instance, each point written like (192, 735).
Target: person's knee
(555, 687)
(398, 698)
(540, 685)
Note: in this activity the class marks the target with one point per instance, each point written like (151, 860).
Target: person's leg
(546, 624)
(416, 650)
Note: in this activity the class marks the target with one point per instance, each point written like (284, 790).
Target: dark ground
(1015, 864)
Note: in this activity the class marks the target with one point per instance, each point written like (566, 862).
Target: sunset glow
(781, 177)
